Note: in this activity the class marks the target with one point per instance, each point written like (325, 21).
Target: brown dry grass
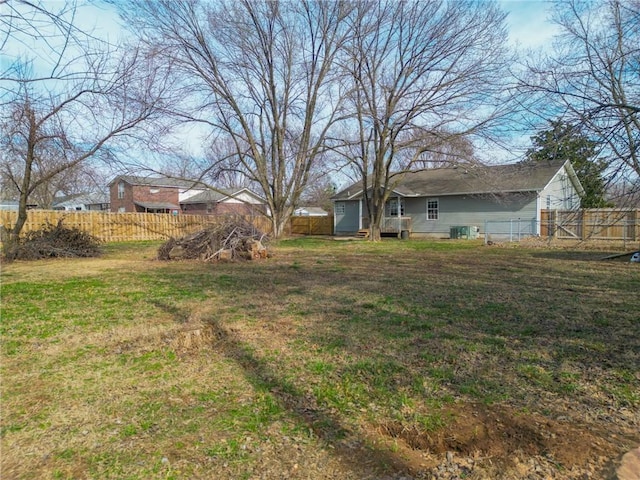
(330, 360)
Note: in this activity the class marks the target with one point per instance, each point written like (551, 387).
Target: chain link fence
(577, 225)
(513, 230)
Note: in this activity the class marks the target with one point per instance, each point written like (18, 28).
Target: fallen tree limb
(234, 239)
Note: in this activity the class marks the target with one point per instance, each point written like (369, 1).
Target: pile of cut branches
(57, 241)
(234, 239)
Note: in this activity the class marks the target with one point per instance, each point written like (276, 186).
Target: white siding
(560, 193)
(243, 198)
(186, 194)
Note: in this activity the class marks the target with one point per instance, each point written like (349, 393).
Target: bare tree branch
(258, 73)
(423, 76)
(52, 128)
(593, 76)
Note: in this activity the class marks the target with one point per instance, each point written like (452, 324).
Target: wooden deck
(395, 225)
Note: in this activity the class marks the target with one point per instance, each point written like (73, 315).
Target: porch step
(364, 233)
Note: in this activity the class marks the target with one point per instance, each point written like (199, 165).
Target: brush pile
(234, 239)
(57, 241)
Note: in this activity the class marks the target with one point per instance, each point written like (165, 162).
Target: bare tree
(257, 73)
(56, 121)
(423, 75)
(593, 76)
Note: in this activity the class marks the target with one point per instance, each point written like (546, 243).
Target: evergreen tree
(562, 142)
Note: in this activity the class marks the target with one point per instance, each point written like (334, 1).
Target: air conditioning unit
(469, 232)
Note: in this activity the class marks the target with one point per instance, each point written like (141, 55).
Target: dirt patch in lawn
(501, 432)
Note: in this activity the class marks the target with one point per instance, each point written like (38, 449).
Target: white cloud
(528, 22)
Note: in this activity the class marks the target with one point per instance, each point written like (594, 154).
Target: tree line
(282, 92)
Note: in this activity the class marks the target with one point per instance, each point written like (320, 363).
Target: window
(391, 209)
(154, 190)
(432, 209)
(122, 210)
(121, 190)
(339, 208)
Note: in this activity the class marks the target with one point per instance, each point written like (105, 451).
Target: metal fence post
(486, 231)
(519, 229)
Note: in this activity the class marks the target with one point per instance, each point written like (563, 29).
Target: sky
(527, 22)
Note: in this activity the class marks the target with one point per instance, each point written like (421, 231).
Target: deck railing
(391, 224)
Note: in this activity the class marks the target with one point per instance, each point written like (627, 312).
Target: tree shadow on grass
(355, 453)
(483, 329)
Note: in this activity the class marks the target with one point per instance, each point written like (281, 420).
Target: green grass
(325, 343)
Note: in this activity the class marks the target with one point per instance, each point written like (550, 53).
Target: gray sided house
(435, 202)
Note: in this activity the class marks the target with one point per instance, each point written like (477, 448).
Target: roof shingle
(468, 180)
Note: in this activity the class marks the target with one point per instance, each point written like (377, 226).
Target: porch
(391, 225)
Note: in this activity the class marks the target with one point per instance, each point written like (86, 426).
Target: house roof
(472, 180)
(158, 205)
(219, 195)
(10, 204)
(81, 198)
(157, 181)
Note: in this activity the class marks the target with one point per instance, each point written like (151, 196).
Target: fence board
(594, 224)
(304, 225)
(120, 227)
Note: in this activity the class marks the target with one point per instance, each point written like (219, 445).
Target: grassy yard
(345, 360)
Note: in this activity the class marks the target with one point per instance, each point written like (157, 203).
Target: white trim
(426, 204)
(246, 191)
(335, 220)
(350, 197)
(539, 213)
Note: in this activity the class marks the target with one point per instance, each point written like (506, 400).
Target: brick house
(153, 195)
(168, 195)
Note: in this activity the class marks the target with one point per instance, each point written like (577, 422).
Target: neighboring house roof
(219, 195)
(157, 181)
(14, 205)
(80, 199)
(9, 204)
(157, 205)
(473, 180)
(311, 211)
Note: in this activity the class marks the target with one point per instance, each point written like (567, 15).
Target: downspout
(335, 218)
(399, 217)
(538, 214)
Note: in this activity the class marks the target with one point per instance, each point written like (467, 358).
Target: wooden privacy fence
(311, 225)
(591, 224)
(120, 227)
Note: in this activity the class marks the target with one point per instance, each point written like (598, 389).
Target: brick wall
(145, 193)
(126, 202)
(141, 193)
